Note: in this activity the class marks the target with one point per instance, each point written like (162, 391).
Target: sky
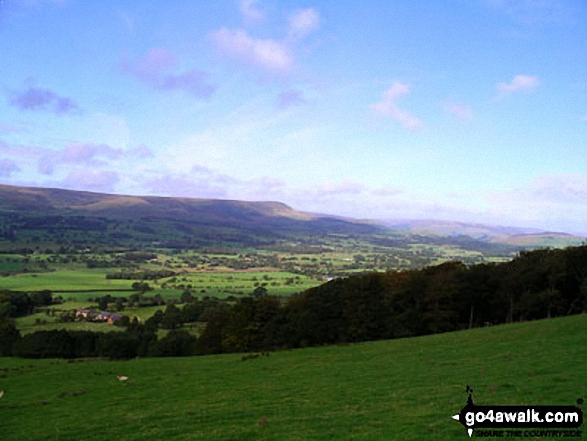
(461, 110)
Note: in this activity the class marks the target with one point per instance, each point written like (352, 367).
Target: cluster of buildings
(91, 315)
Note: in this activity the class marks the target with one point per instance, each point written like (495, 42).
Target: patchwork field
(224, 284)
(63, 280)
(402, 389)
(69, 282)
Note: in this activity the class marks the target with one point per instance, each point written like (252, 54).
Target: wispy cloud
(141, 152)
(346, 187)
(7, 128)
(271, 56)
(92, 180)
(290, 98)
(387, 191)
(251, 13)
(85, 154)
(152, 69)
(458, 110)
(193, 82)
(7, 167)
(560, 188)
(185, 186)
(547, 200)
(531, 12)
(387, 107)
(520, 83)
(126, 20)
(302, 22)
(21, 152)
(205, 182)
(43, 99)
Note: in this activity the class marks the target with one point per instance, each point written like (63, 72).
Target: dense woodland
(379, 305)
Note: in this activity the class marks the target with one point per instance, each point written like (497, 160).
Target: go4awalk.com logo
(520, 421)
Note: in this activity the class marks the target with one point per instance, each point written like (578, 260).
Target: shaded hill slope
(165, 219)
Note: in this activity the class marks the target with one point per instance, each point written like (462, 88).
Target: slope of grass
(402, 389)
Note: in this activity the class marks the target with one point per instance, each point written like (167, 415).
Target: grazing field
(402, 389)
(40, 322)
(238, 284)
(63, 280)
(216, 283)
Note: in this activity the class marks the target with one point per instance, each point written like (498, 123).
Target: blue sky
(467, 110)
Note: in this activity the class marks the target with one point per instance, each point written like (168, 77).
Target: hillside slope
(388, 390)
(54, 213)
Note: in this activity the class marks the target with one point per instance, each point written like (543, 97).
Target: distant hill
(89, 203)
(544, 239)
(207, 222)
(516, 236)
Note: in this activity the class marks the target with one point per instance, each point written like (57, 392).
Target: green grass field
(27, 325)
(220, 284)
(390, 390)
(63, 280)
(238, 284)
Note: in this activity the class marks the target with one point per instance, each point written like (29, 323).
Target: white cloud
(397, 90)
(269, 55)
(387, 107)
(460, 111)
(82, 154)
(520, 83)
(251, 14)
(302, 22)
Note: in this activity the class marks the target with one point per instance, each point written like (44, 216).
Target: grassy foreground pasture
(389, 390)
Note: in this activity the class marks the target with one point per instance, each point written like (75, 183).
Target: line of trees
(19, 304)
(135, 341)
